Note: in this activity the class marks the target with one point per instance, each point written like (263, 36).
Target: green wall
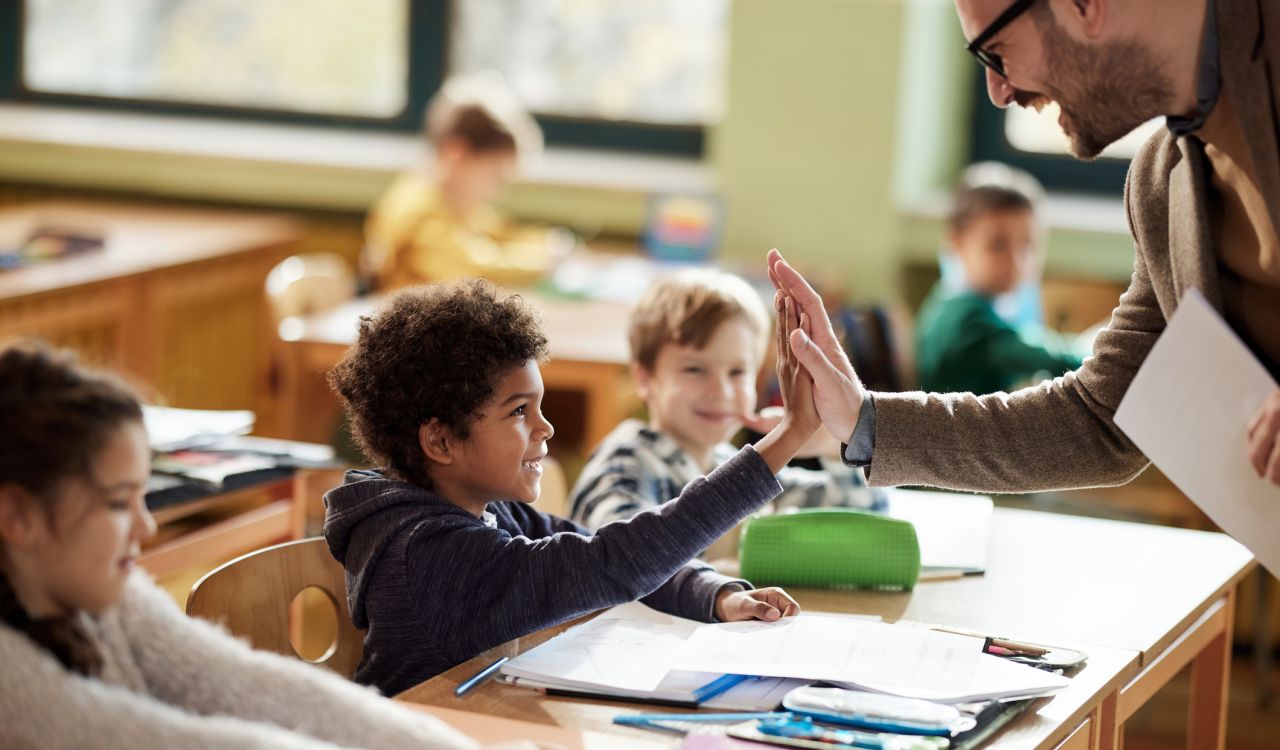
(805, 155)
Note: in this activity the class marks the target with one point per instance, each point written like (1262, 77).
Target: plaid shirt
(637, 468)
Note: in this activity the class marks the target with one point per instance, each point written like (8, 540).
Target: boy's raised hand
(793, 380)
(800, 418)
(837, 392)
(768, 604)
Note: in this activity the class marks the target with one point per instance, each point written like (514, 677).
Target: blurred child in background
(962, 342)
(440, 223)
(697, 341)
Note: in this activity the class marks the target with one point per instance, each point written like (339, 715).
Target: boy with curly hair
(445, 558)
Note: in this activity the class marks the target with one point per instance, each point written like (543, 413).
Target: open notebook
(633, 650)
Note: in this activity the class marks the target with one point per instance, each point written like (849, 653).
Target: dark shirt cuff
(735, 585)
(857, 452)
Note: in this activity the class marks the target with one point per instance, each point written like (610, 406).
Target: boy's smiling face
(996, 249)
(501, 459)
(698, 396)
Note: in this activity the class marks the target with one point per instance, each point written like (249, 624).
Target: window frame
(428, 49)
(1057, 172)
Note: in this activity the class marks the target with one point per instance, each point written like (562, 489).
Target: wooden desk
(587, 341)
(220, 527)
(1143, 601)
(175, 298)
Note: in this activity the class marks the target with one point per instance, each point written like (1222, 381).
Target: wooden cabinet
(174, 300)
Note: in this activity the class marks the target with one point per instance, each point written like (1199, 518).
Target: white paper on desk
(627, 648)
(170, 429)
(870, 655)
(1187, 409)
(953, 528)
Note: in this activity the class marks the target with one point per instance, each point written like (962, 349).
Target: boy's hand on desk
(768, 604)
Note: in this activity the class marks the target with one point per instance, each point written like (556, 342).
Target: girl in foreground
(94, 654)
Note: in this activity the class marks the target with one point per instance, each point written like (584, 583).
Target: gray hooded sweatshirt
(433, 585)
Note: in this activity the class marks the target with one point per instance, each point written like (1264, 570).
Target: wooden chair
(252, 596)
(309, 486)
(308, 283)
(298, 286)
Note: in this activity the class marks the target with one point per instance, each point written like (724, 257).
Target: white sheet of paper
(170, 429)
(627, 648)
(872, 656)
(637, 650)
(953, 528)
(1187, 409)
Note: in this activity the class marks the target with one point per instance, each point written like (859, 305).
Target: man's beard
(1105, 93)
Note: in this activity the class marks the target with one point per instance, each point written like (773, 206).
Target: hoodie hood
(364, 517)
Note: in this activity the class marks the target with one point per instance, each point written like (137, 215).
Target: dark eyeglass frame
(991, 59)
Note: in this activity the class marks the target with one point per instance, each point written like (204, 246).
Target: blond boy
(697, 341)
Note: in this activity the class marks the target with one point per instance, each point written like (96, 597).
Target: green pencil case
(838, 548)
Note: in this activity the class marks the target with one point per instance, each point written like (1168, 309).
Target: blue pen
(877, 724)
(719, 686)
(804, 729)
(480, 677)
(682, 723)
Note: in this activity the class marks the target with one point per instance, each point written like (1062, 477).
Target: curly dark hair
(431, 352)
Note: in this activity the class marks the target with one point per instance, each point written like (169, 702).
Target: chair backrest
(878, 345)
(309, 283)
(309, 486)
(252, 596)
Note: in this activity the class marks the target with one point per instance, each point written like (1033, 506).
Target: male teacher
(1203, 200)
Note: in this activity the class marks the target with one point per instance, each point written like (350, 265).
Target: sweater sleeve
(47, 706)
(194, 665)
(690, 593)
(479, 587)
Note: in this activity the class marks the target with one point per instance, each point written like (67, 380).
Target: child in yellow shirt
(437, 225)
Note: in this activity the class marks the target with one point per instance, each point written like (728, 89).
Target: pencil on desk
(940, 575)
(1015, 646)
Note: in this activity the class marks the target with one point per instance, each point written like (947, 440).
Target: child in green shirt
(962, 343)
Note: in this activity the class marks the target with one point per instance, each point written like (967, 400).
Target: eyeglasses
(991, 59)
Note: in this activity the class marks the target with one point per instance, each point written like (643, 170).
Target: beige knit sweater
(170, 681)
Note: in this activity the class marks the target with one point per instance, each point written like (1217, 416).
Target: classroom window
(1033, 141)
(636, 75)
(1038, 132)
(651, 61)
(339, 57)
